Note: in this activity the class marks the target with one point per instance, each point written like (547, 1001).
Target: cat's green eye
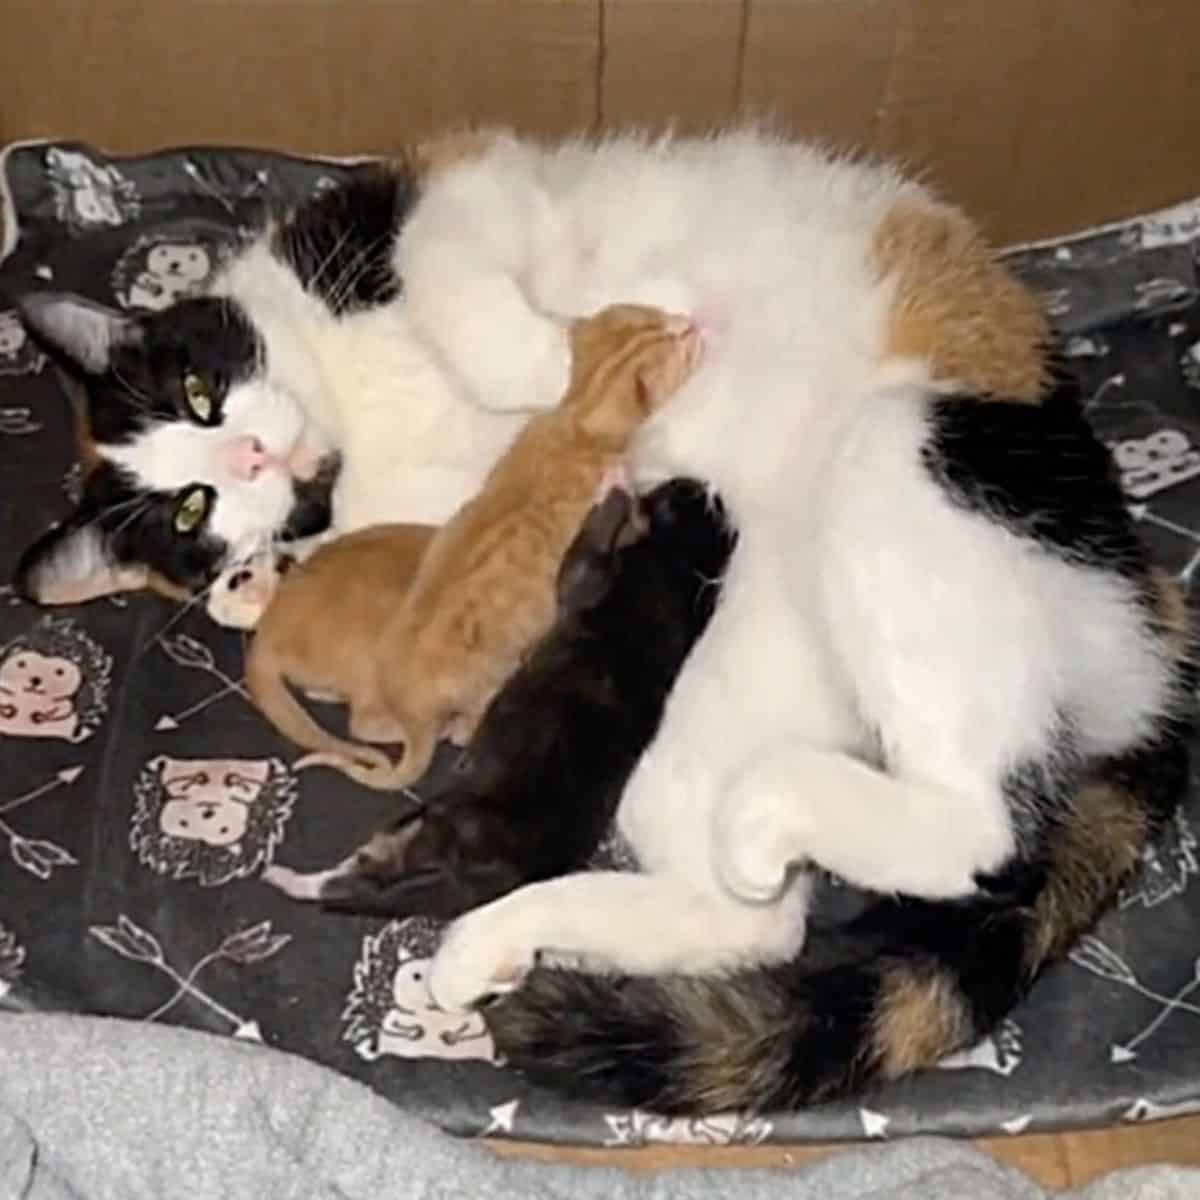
(191, 510)
(199, 399)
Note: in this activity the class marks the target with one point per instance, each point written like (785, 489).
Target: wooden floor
(1056, 1160)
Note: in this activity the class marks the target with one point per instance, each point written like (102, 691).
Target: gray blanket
(104, 1109)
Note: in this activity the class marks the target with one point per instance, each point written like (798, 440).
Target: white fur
(174, 454)
(413, 449)
(864, 617)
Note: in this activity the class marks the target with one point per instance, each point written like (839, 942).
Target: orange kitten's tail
(369, 767)
(420, 737)
(372, 768)
(270, 692)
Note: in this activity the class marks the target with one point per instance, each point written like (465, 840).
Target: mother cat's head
(192, 456)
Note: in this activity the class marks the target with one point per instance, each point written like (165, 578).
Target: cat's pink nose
(246, 457)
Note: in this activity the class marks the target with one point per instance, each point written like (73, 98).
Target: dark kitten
(541, 779)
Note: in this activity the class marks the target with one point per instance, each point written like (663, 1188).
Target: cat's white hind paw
(754, 850)
(483, 954)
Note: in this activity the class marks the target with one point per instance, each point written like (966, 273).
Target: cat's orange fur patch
(1173, 618)
(1090, 857)
(956, 307)
(919, 1019)
(450, 148)
(87, 453)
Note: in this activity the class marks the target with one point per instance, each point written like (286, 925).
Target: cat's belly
(414, 447)
(761, 673)
(414, 495)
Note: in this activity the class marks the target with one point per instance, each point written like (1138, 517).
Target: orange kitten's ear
(621, 409)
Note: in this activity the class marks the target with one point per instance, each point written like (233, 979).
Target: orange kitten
(319, 633)
(485, 591)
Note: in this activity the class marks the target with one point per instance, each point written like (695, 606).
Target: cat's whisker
(144, 507)
(178, 615)
(329, 258)
(112, 509)
(143, 402)
(357, 267)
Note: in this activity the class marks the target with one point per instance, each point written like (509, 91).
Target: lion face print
(210, 819)
(18, 354)
(390, 1012)
(54, 683)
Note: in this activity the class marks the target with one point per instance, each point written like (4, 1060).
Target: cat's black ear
(77, 329)
(71, 564)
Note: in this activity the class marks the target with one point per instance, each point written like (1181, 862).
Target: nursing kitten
(544, 772)
(320, 633)
(484, 594)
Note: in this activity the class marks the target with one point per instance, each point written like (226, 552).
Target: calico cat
(544, 772)
(984, 715)
(927, 671)
(484, 593)
(320, 632)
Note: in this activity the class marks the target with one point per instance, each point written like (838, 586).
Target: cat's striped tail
(896, 990)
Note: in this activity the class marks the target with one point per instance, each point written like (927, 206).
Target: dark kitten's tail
(896, 990)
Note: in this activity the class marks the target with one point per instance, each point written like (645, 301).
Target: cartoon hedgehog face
(18, 354)
(169, 263)
(1152, 464)
(54, 682)
(12, 957)
(87, 193)
(389, 1011)
(210, 819)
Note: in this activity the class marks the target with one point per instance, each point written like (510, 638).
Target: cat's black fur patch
(312, 511)
(135, 527)
(1040, 471)
(126, 523)
(547, 766)
(340, 243)
(209, 337)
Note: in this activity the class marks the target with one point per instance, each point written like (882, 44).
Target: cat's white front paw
(242, 592)
(755, 846)
(483, 954)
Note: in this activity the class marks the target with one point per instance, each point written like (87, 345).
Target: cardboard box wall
(1041, 116)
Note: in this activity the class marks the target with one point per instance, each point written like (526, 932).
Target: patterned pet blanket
(107, 908)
